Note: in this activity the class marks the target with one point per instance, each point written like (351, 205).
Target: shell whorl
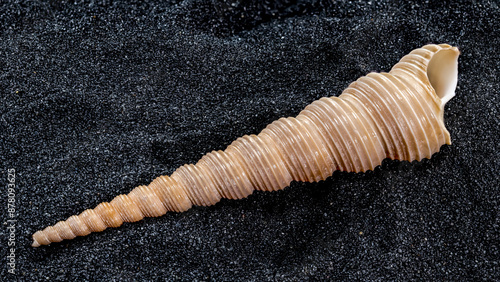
(396, 115)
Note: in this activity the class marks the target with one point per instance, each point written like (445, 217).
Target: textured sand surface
(100, 97)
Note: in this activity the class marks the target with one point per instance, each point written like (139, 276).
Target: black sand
(99, 97)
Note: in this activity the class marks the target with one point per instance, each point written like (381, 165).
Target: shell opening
(442, 72)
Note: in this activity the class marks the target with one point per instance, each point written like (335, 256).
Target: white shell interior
(442, 72)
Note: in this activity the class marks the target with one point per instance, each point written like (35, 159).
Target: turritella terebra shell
(396, 115)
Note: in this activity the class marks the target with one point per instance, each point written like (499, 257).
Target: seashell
(396, 115)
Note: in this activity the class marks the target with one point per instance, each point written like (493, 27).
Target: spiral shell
(396, 115)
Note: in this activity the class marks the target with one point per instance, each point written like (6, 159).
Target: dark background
(98, 97)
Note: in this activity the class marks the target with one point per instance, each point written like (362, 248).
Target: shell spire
(396, 115)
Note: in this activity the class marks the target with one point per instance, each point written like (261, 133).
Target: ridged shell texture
(396, 115)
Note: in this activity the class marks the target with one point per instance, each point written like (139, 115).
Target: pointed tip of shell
(35, 244)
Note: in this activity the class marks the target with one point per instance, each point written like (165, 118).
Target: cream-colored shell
(396, 115)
